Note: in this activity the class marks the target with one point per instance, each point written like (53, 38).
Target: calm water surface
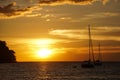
(58, 71)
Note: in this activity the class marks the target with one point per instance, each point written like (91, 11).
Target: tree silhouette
(6, 55)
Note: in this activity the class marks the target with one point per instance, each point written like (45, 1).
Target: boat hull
(87, 64)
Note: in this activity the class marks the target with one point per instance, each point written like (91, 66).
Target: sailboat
(98, 62)
(89, 63)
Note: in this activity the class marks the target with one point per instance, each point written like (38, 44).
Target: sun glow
(45, 41)
(44, 48)
(44, 52)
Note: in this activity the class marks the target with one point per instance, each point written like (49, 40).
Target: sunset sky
(57, 30)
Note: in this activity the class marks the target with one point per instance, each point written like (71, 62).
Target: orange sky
(59, 28)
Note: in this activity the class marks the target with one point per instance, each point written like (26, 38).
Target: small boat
(98, 62)
(89, 63)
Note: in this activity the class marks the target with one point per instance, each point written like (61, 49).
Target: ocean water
(58, 71)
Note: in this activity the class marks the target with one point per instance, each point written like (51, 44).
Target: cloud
(102, 15)
(68, 33)
(12, 11)
(65, 18)
(99, 15)
(32, 15)
(9, 9)
(98, 33)
(96, 16)
(71, 2)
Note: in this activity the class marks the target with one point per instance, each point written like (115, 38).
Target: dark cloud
(75, 2)
(8, 9)
(15, 8)
(12, 10)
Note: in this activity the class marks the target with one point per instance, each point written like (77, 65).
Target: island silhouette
(6, 55)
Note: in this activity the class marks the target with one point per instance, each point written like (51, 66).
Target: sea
(58, 71)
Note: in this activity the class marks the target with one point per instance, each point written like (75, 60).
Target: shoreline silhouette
(6, 55)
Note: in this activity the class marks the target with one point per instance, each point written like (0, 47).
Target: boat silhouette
(90, 62)
(98, 61)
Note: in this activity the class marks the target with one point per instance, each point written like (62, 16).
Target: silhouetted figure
(6, 55)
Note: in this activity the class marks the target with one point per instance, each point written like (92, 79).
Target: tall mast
(90, 45)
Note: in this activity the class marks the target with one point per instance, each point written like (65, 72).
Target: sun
(44, 53)
(44, 49)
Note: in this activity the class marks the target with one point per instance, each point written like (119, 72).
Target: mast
(89, 64)
(90, 45)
